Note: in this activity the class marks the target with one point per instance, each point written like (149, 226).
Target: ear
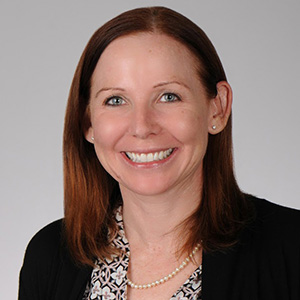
(89, 135)
(220, 108)
(89, 132)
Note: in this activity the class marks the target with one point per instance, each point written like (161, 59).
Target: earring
(214, 127)
(92, 138)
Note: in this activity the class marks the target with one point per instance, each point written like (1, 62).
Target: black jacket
(265, 264)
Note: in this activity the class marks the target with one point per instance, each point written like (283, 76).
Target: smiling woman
(152, 208)
(160, 110)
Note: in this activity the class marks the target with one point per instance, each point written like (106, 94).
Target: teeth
(149, 157)
(143, 157)
(133, 156)
(161, 155)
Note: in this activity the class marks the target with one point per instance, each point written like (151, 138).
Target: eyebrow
(109, 89)
(155, 86)
(171, 82)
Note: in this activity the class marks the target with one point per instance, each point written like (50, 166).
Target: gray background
(259, 45)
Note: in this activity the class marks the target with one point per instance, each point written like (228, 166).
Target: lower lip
(155, 163)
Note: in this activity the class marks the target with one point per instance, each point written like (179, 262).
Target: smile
(149, 157)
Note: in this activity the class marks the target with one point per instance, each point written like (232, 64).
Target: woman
(152, 208)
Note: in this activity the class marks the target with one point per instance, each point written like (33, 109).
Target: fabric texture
(265, 264)
(109, 277)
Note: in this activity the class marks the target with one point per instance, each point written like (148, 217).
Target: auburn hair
(91, 194)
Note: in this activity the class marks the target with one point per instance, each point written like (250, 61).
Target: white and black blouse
(109, 277)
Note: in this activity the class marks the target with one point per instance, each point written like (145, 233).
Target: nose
(144, 122)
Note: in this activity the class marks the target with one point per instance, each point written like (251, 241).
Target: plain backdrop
(41, 42)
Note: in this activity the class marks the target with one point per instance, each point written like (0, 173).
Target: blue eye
(169, 97)
(114, 101)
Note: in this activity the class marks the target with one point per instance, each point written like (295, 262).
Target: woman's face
(150, 115)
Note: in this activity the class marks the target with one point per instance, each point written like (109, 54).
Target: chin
(146, 188)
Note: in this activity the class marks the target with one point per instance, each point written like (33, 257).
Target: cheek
(190, 126)
(107, 131)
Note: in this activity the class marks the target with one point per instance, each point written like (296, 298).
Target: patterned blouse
(109, 277)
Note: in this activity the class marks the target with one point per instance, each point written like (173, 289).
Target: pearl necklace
(166, 278)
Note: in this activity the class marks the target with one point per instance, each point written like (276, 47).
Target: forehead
(154, 49)
(155, 40)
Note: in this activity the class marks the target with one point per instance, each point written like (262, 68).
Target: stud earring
(92, 138)
(214, 127)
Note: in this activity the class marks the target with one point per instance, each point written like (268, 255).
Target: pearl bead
(166, 278)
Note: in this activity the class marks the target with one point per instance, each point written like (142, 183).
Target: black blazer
(265, 264)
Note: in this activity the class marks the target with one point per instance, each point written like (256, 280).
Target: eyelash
(162, 99)
(109, 99)
(176, 97)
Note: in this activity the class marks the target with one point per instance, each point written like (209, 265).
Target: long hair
(91, 194)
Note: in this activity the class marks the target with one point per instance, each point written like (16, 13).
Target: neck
(153, 221)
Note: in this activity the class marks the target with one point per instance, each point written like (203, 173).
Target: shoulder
(46, 242)
(41, 261)
(264, 264)
(275, 214)
(274, 222)
(48, 271)
(46, 252)
(51, 232)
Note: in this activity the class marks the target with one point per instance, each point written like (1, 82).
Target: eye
(114, 101)
(169, 97)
